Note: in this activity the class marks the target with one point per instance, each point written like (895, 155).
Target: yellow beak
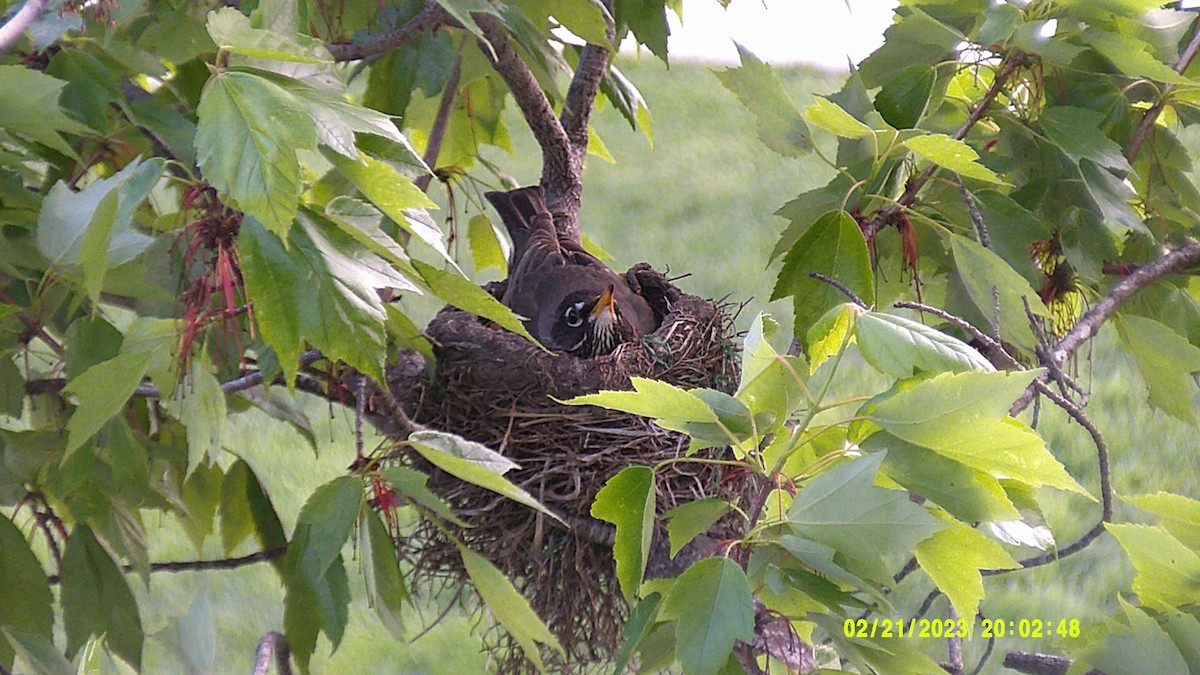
(607, 302)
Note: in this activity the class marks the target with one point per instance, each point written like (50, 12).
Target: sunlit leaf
(953, 559)
(952, 154)
(627, 501)
(507, 605)
(780, 125)
(1166, 361)
(896, 345)
(1168, 573)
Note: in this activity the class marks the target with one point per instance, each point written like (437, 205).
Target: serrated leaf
(651, 398)
(96, 599)
(1179, 514)
(324, 525)
(969, 494)
(1166, 361)
(686, 521)
(1076, 131)
(713, 610)
(903, 101)
(843, 509)
(232, 32)
(952, 154)
(771, 382)
(1113, 198)
(1132, 56)
(246, 509)
(320, 289)
(363, 222)
(460, 292)
(963, 416)
(830, 117)
(833, 246)
(1167, 572)
(628, 100)
(201, 495)
(507, 605)
(202, 412)
(485, 245)
(481, 472)
(820, 559)
(647, 20)
(37, 651)
(953, 559)
(29, 99)
(827, 335)
(1140, 647)
(337, 121)
(385, 587)
(247, 135)
(463, 11)
(895, 345)
(780, 125)
(627, 501)
(457, 446)
(25, 600)
(102, 392)
(985, 274)
(586, 18)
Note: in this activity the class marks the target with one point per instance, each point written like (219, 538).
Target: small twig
(1143, 128)
(1039, 664)
(202, 565)
(31, 323)
(432, 15)
(441, 122)
(273, 644)
(840, 286)
(987, 653)
(24, 17)
(440, 617)
(973, 210)
(954, 646)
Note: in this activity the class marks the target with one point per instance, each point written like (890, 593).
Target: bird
(572, 301)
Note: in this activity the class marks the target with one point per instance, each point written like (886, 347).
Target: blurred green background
(700, 201)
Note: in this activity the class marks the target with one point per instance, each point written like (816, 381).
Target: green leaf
(364, 223)
(830, 117)
(780, 125)
(833, 246)
(896, 345)
(1132, 56)
(1076, 131)
(914, 39)
(1166, 361)
(1167, 572)
(412, 484)
(1140, 647)
(627, 501)
(325, 523)
(686, 521)
(1184, 630)
(479, 470)
(93, 228)
(647, 19)
(771, 383)
(313, 605)
(820, 559)
(904, 99)
(843, 509)
(246, 509)
(463, 10)
(953, 558)
(585, 18)
(485, 245)
(1112, 197)
(320, 289)
(246, 140)
(202, 412)
(651, 398)
(201, 495)
(394, 194)
(232, 32)
(985, 274)
(25, 600)
(457, 446)
(507, 605)
(36, 650)
(952, 154)
(713, 610)
(638, 625)
(460, 292)
(969, 494)
(829, 334)
(338, 120)
(101, 393)
(624, 95)
(96, 599)
(963, 416)
(1179, 514)
(29, 100)
(385, 587)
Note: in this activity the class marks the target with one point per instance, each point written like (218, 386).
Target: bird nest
(496, 388)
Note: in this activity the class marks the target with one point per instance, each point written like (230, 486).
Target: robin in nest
(574, 302)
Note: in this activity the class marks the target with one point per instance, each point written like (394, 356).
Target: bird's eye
(572, 316)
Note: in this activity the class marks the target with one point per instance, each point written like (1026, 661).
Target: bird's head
(589, 325)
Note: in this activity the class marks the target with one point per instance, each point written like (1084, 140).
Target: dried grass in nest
(495, 388)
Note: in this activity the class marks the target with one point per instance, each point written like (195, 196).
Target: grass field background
(701, 202)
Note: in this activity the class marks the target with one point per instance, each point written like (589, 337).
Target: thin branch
(441, 122)
(1089, 324)
(433, 15)
(1142, 132)
(203, 565)
(273, 644)
(11, 31)
(1039, 664)
(1013, 62)
(33, 325)
(840, 286)
(985, 239)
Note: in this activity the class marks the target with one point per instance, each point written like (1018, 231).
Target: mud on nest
(494, 387)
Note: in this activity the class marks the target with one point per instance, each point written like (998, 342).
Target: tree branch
(433, 15)
(1039, 664)
(1143, 128)
(581, 94)
(441, 122)
(11, 31)
(202, 565)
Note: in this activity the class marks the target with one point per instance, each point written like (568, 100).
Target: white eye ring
(572, 316)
